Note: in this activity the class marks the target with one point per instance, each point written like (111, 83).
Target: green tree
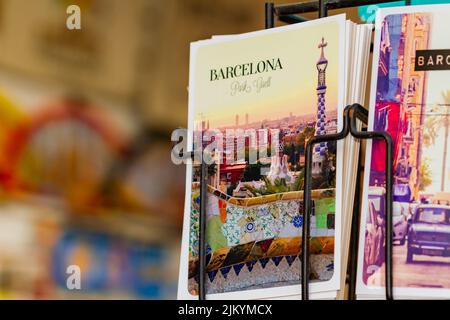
(302, 137)
(231, 188)
(212, 170)
(299, 181)
(433, 125)
(425, 174)
(278, 186)
(253, 172)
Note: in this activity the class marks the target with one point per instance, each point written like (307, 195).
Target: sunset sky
(292, 89)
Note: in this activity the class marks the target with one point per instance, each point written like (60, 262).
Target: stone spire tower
(320, 149)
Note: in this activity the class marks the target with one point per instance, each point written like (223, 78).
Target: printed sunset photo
(256, 181)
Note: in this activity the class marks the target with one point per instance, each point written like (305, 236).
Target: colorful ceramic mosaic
(265, 235)
(265, 272)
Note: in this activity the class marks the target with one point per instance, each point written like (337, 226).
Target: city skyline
(292, 89)
(331, 114)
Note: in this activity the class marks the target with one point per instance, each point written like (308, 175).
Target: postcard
(254, 102)
(411, 101)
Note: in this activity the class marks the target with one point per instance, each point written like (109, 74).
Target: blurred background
(85, 123)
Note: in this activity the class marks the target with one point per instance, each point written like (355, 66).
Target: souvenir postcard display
(256, 99)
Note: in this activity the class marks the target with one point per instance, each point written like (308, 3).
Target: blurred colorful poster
(109, 264)
(411, 101)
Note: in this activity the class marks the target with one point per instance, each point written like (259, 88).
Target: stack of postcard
(410, 99)
(255, 100)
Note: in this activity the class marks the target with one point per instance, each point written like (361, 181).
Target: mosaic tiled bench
(255, 242)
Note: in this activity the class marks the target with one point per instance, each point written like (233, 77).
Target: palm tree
(446, 96)
(432, 126)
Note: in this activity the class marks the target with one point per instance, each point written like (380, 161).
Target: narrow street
(425, 271)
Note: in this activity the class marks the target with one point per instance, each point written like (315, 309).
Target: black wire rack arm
(351, 114)
(193, 156)
(306, 233)
(202, 230)
(359, 112)
(288, 13)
